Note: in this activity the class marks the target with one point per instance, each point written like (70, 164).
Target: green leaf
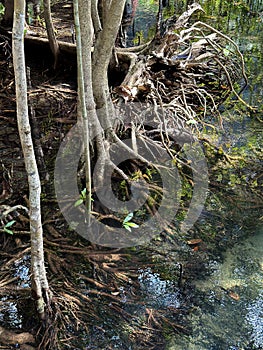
(84, 193)
(219, 177)
(8, 231)
(78, 202)
(2, 9)
(132, 224)
(127, 227)
(128, 218)
(10, 223)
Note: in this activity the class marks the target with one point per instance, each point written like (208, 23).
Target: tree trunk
(86, 105)
(51, 32)
(101, 57)
(40, 287)
(98, 104)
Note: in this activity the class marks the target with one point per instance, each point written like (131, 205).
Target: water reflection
(254, 318)
(160, 293)
(22, 271)
(228, 304)
(9, 313)
(228, 307)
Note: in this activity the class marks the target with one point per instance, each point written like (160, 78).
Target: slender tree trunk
(51, 32)
(95, 17)
(101, 57)
(40, 287)
(86, 105)
(98, 104)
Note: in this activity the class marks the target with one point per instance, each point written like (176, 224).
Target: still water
(229, 320)
(227, 307)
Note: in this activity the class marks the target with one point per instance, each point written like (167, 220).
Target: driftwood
(182, 56)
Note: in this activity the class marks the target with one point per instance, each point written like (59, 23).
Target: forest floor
(52, 108)
(52, 94)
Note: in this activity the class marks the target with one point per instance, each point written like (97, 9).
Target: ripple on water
(254, 318)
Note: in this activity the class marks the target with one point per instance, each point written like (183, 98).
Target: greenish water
(227, 306)
(218, 321)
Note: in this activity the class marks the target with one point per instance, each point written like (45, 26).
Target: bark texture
(51, 32)
(86, 104)
(39, 279)
(101, 57)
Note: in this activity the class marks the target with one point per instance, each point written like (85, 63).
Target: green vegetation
(82, 198)
(128, 224)
(8, 226)
(2, 9)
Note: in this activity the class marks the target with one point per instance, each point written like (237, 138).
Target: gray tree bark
(101, 57)
(98, 103)
(86, 105)
(40, 287)
(51, 32)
